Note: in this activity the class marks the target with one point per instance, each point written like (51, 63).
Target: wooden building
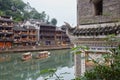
(47, 34)
(61, 37)
(6, 32)
(25, 35)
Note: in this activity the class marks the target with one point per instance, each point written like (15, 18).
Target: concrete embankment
(33, 48)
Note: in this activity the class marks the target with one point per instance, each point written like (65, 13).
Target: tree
(20, 11)
(47, 20)
(43, 16)
(53, 21)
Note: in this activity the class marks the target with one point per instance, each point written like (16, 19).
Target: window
(98, 7)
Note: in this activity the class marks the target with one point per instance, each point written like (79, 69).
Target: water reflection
(14, 69)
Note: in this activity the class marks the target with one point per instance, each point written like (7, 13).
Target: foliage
(20, 11)
(106, 72)
(52, 72)
(110, 69)
(79, 49)
(12, 8)
(53, 21)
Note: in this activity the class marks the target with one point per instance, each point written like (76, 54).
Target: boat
(26, 56)
(43, 54)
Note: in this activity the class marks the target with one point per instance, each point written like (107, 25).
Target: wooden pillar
(79, 64)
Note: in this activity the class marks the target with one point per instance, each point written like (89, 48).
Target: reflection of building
(6, 32)
(25, 35)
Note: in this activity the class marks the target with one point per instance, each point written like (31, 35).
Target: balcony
(1, 31)
(47, 34)
(17, 41)
(32, 33)
(6, 25)
(6, 39)
(15, 34)
(33, 39)
(7, 31)
(23, 33)
(9, 39)
(23, 40)
(10, 30)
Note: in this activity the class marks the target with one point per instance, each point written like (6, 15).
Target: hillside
(21, 11)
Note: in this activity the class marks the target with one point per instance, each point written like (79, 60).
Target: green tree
(20, 11)
(53, 21)
(43, 16)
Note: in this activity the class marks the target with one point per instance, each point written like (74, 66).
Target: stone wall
(85, 12)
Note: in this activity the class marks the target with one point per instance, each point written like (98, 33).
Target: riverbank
(33, 48)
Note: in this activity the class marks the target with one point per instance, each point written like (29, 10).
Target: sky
(62, 10)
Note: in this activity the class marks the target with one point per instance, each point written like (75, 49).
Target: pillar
(79, 60)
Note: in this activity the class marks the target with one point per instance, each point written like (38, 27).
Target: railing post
(79, 64)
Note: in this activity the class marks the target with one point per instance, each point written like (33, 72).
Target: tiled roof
(6, 18)
(29, 27)
(18, 28)
(97, 31)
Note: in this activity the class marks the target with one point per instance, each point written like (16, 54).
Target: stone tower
(97, 11)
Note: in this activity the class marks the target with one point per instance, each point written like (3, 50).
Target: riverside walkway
(33, 48)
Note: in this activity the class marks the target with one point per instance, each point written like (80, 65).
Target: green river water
(13, 68)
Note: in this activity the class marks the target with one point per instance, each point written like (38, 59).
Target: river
(13, 68)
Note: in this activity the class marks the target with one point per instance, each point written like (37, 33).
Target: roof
(19, 28)
(97, 31)
(23, 28)
(28, 53)
(6, 18)
(29, 27)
